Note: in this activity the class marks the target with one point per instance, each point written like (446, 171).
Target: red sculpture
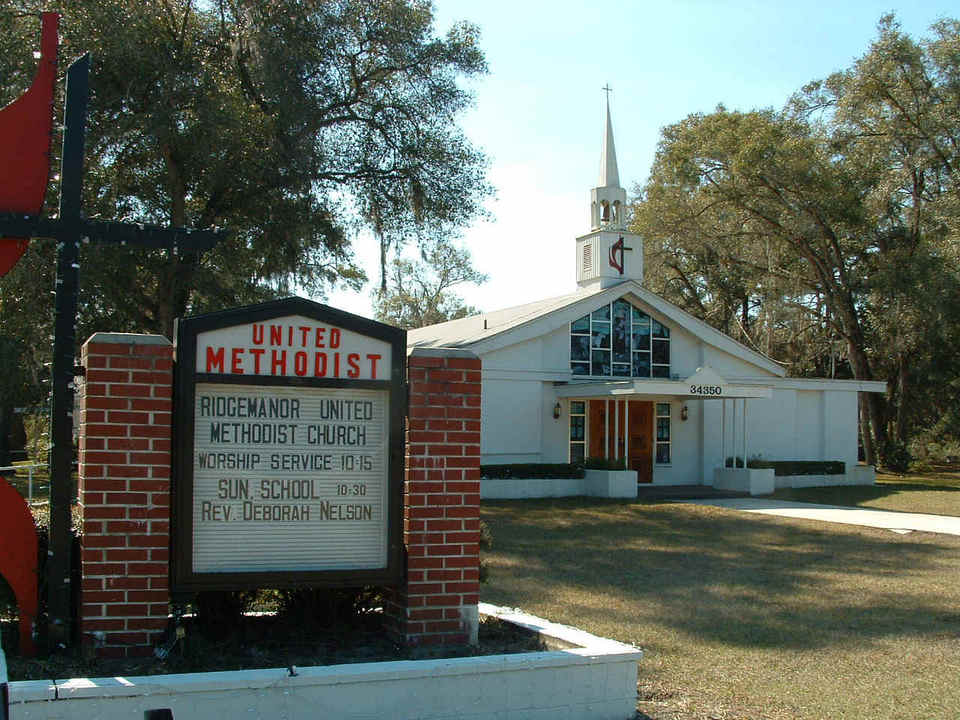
(25, 130)
(18, 560)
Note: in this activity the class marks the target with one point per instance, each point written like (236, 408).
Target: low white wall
(756, 481)
(527, 488)
(595, 483)
(592, 678)
(611, 483)
(861, 475)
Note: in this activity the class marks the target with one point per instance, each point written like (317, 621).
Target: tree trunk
(869, 453)
(383, 264)
(900, 423)
(874, 403)
(175, 285)
(176, 280)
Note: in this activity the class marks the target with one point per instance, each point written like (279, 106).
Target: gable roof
(495, 330)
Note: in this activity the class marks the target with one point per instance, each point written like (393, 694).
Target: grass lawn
(743, 616)
(933, 491)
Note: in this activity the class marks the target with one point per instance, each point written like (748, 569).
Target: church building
(611, 370)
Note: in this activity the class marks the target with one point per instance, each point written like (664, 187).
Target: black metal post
(59, 630)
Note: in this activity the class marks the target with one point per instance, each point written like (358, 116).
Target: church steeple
(609, 177)
(608, 201)
(609, 253)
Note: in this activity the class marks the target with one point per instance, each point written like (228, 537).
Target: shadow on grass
(721, 576)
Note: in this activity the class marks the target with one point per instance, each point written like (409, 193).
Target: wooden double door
(635, 425)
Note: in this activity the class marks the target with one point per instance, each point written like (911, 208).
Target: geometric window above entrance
(618, 340)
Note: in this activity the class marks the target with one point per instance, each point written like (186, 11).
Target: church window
(580, 346)
(601, 313)
(578, 424)
(661, 351)
(600, 341)
(663, 433)
(619, 340)
(600, 362)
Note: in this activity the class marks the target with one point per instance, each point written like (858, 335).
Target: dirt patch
(265, 641)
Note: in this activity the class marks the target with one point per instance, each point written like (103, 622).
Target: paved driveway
(896, 521)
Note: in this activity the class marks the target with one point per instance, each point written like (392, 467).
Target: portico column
(723, 433)
(733, 434)
(626, 432)
(606, 429)
(616, 429)
(744, 432)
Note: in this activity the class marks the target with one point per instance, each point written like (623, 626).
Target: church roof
(476, 328)
(491, 331)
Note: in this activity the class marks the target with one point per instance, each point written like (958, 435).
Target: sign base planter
(581, 676)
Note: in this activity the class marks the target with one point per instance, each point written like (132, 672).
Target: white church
(611, 370)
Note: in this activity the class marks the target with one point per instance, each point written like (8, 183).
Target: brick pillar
(125, 434)
(441, 517)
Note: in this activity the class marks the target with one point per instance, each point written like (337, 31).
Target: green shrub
(783, 468)
(895, 456)
(327, 608)
(220, 612)
(37, 429)
(486, 543)
(600, 463)
(531, 470)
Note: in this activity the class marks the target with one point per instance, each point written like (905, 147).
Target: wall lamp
(684, 413)
(556, 411)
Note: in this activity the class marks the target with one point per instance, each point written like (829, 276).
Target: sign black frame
(183, 580)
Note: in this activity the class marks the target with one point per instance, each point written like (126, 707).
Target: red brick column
(441, 518)
(125, 435)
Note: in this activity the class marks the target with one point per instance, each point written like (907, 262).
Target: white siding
(808, 428)
(840, 427)
(686, 447)
(556, 433)
(555, 355)
(729, 366)
(511, 421)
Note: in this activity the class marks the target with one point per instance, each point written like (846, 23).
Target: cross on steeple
(607, 89)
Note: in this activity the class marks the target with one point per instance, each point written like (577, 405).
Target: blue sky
(539, 111)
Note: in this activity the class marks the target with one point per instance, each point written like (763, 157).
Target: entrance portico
(631, 420)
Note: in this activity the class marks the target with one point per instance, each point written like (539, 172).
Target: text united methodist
(300, 350)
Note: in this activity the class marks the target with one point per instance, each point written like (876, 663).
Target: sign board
(289, 442)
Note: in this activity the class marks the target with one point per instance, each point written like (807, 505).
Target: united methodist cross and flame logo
(616, 255)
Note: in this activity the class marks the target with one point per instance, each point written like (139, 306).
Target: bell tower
(608, 254)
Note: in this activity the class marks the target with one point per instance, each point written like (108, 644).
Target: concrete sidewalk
(896, 521)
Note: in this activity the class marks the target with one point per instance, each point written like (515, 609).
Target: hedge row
(782, 468)
(531, 470)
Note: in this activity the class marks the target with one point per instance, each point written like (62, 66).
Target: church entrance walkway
(895, 521)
